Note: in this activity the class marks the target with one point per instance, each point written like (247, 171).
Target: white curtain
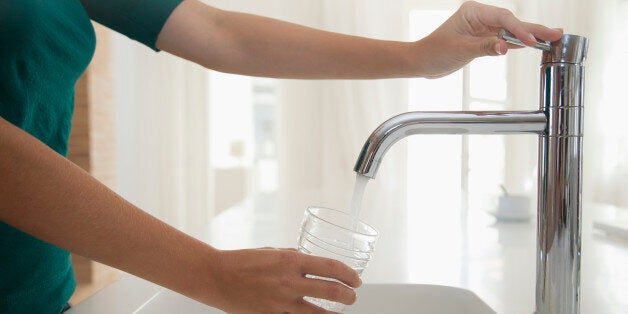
(161, 134)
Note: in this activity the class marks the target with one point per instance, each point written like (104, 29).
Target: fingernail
(532, 37)
(498, 49)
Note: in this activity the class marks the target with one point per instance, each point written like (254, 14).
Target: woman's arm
(45, 195)
(254, 45)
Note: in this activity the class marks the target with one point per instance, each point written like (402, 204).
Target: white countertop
(494, 260)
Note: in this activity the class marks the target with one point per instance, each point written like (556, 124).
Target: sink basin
(400, 298)
(372, 298)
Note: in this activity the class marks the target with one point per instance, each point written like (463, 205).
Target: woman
(48, 206)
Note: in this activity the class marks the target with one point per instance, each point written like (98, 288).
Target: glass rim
(375, 233)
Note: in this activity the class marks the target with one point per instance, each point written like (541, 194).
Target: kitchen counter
(494, 260)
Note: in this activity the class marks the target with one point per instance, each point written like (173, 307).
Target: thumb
(492, 46)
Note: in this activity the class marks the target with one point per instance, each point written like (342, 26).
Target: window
(243, 153)
(482, 85)
(231, 99)
(265, 155)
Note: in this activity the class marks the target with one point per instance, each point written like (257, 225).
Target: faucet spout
(449, 122)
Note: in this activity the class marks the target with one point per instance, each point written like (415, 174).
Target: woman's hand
(273, 281)
(471, 32)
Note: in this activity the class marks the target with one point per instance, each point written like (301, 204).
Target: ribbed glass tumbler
(334, 234)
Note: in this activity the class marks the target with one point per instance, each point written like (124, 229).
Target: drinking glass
(335, 234)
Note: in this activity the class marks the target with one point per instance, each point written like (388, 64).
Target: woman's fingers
(495, 18)
(544, 33)
(325, 267)
(309, 308)
(326, 289)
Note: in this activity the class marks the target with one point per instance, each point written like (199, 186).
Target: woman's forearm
(45, 195)
(253, 45)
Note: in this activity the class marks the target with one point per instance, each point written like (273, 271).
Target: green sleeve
(141, 20)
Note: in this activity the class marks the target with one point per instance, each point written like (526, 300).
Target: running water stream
(356, 199)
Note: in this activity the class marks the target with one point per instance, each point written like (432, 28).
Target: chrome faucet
(559, 124)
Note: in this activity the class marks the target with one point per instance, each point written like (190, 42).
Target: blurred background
(190, 142)
(185, 143)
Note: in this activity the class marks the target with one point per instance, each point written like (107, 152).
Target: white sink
(406, 298)
(372, 298)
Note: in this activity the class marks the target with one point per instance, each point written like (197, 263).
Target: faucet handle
(510, 38)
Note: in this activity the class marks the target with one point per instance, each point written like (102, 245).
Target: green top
(45, 45)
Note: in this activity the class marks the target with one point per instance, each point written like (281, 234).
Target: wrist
(207, 275)
(422, 59)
